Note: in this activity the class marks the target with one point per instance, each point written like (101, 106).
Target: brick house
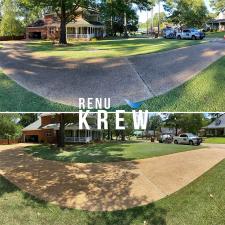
(86, 26)
(46, 130)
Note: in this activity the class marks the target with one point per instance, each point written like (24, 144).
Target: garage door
(31, 139)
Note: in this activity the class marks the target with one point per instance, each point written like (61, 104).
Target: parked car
(188, 139)
(165, 138)
(193, 34)
(169, 33)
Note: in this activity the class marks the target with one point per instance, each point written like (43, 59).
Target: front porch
(84, 32)
(219, 132)
(81, 136)
(217, 25)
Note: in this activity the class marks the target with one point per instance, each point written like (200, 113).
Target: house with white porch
(46, 130)
(86, 25)
(218, 23)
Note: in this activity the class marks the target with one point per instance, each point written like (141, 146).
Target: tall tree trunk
(125, 25)
(123, 135)
(61, 141)
(62, 39)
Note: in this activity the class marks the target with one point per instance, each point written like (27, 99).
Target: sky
(143, 15)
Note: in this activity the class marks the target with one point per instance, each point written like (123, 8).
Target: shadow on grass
(95, 153)
(151, 213)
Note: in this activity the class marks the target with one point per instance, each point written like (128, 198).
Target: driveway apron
(105, 186)
(134, 78)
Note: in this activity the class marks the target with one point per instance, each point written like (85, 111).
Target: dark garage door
(31, 139)
(35, 35)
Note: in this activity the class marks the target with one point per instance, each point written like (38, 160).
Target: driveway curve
(105, 186)
(135, 78)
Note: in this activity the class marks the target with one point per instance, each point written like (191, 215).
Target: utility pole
(147, 23)
(159, 18)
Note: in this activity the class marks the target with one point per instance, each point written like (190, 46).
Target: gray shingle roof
(218, 123)
(34, 126)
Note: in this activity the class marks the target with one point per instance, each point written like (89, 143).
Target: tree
(191, 122)
(218, 5)
(141, 4)
(64, 119)
(29, 13)
(189, 13)
(155, 122)
(10, 24)
(66, 10)
(112, 13)
(27, 118)
(9, 126)
(147, 24)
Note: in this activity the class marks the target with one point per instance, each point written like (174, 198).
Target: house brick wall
(43, 135)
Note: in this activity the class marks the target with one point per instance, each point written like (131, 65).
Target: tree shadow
(95, 153)
(150, 214)
(99, 189)
(6, 186)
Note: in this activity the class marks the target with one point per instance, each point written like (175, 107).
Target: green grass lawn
(218, 34)
(107, 152)
(215, 140)
(15, 98)
(203, 93)
(200, 203)
(108, 48)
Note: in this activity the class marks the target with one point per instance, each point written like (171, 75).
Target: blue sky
(143, 15)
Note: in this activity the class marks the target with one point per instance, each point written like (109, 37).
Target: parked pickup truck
(188, 139)
(190, 34)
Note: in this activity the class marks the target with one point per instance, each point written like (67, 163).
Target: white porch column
(88, 32)
(220, 26)
(76, 32)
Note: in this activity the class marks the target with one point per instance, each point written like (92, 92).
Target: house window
(51, 30)
(48, 134)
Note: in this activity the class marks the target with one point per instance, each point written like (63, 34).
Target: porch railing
(78, 139)
(80, 36)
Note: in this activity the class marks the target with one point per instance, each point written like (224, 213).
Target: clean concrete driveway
(135, 78)
(105, 186)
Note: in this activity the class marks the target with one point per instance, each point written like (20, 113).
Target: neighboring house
(168, 130)
(46, 130)
(86, 26)
(218, 23)
(216, 128)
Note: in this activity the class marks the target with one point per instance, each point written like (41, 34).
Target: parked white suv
(188, 139)
(190, 34)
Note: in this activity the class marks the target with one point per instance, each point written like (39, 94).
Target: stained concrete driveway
(135, 78)
(105, 186)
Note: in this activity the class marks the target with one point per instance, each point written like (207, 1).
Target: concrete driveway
(135, 78)
(105, 186)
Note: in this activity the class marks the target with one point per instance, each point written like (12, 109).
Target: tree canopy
(9, 125)
(10, 24)
(189, 13)
(218, 5)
